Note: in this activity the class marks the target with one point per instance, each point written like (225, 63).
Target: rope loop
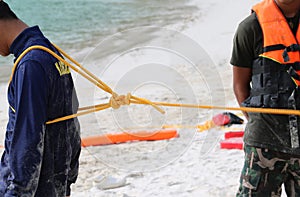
(117, 100)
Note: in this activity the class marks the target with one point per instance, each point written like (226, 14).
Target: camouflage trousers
(265, 172)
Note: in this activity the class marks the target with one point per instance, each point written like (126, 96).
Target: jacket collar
(25, 39)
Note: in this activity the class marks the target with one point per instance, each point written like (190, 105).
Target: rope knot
(117, 100)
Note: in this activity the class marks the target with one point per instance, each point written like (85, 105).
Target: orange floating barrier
(127, 137)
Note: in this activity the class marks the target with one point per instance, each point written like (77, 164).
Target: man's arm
(241, 84)
(26, 150)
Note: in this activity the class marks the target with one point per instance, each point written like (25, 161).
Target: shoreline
(5, 72)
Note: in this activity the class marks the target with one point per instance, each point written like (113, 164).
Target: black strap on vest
(275, 47)
(291, 48)
(295, 65)
(285, 55)
(264, 90)
(291, 68)
(292, 72)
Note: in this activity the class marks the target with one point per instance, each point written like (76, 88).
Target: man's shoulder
(38, 59)
(247, 42)
(249, 24)
(39, 56)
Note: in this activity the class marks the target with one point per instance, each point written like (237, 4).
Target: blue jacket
(39, 159)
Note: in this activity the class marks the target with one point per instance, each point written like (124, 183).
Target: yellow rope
(117, 100)
(246, 109)
(200, 128)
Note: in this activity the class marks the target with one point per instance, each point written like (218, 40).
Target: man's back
(40, 159)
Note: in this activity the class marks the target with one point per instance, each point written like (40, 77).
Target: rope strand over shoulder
(118, 100)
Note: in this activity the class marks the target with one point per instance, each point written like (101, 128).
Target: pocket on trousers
(251, 179)
(252, 172)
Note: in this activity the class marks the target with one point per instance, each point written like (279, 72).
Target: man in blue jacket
(39, 159)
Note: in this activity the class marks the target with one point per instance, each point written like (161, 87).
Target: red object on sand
(126, 137)
(221, 119)
(233, 140)
(232, 134)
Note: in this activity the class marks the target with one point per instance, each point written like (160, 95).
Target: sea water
(77, 24)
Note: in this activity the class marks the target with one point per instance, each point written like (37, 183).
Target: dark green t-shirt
(262, 130)
(247, 43)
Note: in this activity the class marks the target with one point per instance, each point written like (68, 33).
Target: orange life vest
(279, 42)
(276, 72)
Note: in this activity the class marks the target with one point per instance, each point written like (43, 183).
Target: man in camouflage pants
(266, 170)
(266, 74)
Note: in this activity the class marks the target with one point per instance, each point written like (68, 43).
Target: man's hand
(241, 84)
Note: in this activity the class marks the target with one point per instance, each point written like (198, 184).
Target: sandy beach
(193, 164)
(192, 67)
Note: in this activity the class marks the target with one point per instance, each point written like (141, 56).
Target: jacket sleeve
(26, 151)
(76, 149)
